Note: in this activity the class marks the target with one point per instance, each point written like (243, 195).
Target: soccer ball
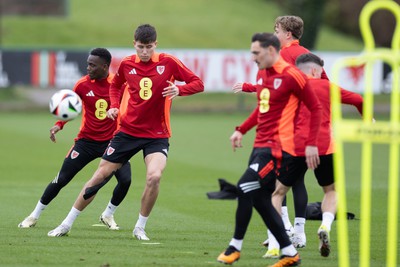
(65, 105)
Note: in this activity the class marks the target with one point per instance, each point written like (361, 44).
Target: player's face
(96, 68)
(261, 56)
(282, 35)
(145, 51)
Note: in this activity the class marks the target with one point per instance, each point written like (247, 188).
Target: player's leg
(300, 199)
(247, 185)
(324, 175)
(286, 218)
(271, 243)
(121, 148)
(155, 157)
(273, 220)
(102, 175)
(76, 159)
(123, 176)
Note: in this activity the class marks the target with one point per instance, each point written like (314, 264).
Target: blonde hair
(293, 24)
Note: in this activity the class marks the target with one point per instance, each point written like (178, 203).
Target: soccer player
(95, 133)
(312, 66)
(289, 30)
(280, 88)
(145, 126)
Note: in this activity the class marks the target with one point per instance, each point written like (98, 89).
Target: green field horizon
(205, 24)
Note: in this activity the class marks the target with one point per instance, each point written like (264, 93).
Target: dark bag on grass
(314, 212)
(227, 191)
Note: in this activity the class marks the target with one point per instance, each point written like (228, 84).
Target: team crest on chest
(277, 83)
(160, 69)
(74, 154)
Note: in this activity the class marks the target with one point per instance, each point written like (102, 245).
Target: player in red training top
(280, 88)
(312, 66)
(145, 125)
(289, 30)
(95, 133)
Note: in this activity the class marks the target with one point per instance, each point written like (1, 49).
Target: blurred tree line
(342, 15)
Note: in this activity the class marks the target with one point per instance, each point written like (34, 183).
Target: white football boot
(109, 222)
(28, 222)
(140, 234)
(61, 230)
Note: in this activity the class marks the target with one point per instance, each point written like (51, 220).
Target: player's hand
(112, 113)
(172, 90)
(312, 157)
(53, 131)
(238, 87)
(236, 140)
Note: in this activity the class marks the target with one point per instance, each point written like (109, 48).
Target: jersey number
(264, 100)
(145, 88)
(101, 109)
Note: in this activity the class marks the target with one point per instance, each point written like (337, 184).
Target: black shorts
(324, 171)
(85, 151)
(124, 146)
(268, 163)
(297, 168)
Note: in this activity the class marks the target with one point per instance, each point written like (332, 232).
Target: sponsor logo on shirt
(160, 69)
(90, 93)
(260, 81)
(74, 154)
(133, 71)
(110, 150)
(277, 83)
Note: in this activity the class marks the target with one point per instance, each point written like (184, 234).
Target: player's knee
(153, 178)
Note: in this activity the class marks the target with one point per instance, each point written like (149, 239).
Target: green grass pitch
(186, 229)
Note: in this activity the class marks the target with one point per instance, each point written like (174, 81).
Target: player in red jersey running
(280, 88)
(145, 125)
(95, 133)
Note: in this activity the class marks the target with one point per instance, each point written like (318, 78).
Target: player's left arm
(193, 84)
(351, 98)
(310, 100)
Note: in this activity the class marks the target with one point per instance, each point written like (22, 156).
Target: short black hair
(145, 34)
(103, 54)
(267, 39)
(309, 57)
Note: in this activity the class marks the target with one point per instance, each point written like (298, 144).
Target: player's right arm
(116, 90)
(249, 123)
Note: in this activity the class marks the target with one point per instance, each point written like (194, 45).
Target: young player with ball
(92, 140)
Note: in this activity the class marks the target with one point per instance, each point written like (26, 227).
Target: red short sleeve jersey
(148, 112)
(325, 138)
(282, 87)
(95, 98)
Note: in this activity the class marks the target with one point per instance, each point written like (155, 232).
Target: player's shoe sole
(109, 222)
(28, 222)
(229, 256)
(324, 243)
